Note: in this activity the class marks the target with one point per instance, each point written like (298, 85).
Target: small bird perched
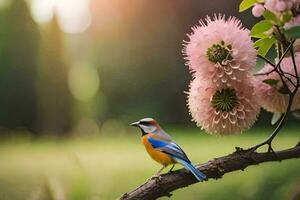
(162, 148)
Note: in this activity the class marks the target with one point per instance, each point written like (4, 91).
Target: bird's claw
(239, 150)
(156, 177)
(171, 170)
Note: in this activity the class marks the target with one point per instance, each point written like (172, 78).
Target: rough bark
(216, 168)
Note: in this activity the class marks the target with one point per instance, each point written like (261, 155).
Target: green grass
(105, 167)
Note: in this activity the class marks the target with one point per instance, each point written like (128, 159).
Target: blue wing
(197, 173)
(170, 148)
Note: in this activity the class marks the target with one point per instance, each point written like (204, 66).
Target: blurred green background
(75, 73)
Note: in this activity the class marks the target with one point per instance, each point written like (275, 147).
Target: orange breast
(156, 155)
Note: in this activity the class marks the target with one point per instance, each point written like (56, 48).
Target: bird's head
(147, 125)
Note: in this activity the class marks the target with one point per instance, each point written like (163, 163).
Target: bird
(163, 149)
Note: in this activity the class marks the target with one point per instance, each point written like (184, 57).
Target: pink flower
(281, 6)
(258, 10)
(278, 6)
(271, 97)
(297, 45)
(220, 50)
(295, 21)
(271, 5)
(296, 3)
(225, 110)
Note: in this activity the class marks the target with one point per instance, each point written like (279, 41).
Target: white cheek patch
(148, 129)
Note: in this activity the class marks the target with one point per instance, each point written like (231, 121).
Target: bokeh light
(87, 127)
(73, 15)
(113, 126)
(84, 82)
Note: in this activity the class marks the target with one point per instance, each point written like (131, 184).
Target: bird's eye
(144, 123)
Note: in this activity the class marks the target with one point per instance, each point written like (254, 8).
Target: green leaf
(260, 35)
(263, 50)
(261, 27)
(271, 82)
(245, 4)
(293, 32)
(259, 42)
(264, 45)
(268, 15)
(286, 17)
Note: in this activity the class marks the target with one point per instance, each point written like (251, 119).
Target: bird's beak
(135, 124)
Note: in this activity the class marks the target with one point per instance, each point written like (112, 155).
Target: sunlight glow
(73, 15)
(84, 82)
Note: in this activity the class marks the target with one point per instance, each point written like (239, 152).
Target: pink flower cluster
(258, 10)
(293, 22)
(220, 50)
(217, 121)
(220, 55)
(272, 97)
(283, 9)
(276, 6)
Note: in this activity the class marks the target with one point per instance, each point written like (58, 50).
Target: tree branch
(275, 67)
(239, 160)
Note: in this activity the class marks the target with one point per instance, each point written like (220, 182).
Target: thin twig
(277, 129)
(266, 60)
(291, 94)
(273, 65)
(282, 75)
(292, 75)
(295, 66)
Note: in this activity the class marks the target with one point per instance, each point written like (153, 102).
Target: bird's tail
(197, 173)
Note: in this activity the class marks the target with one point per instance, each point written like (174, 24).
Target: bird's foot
(171, 170)
(156, 177)
(239, 150)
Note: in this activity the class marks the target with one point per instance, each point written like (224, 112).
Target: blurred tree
(18, 60)
(139, 54)
(54, 98)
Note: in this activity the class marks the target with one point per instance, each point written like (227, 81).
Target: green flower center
(224, 100)
(218, 53)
